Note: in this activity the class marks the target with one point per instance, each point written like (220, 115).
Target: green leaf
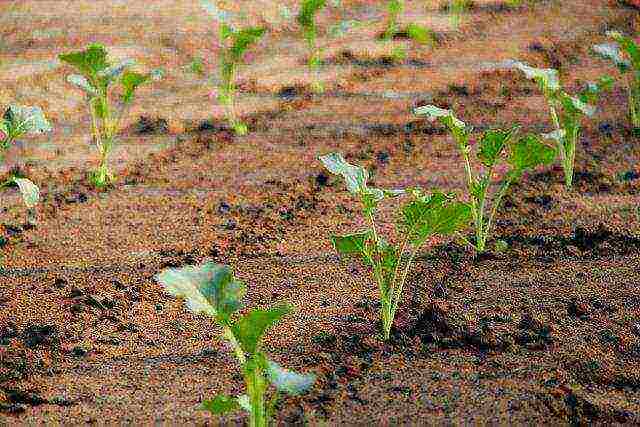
(530, 152)
(394, 7)
(243, 39)
(20, 120)
(611, 51)
(220, 405)
(209, 288)
(435, 214)
(575, 106)
(111, 73)
(29, 191)
(420, 34)
(352, 244)
(130, 82)
(492, 144)
(308, 12)
(82, 83)
(354, 176)
(250, 328)
(288, 381)
(547, 78)
(591, 94)
(89, 61)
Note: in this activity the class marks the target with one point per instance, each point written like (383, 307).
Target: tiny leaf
(221, 404)
(288, 381)
(354, 176)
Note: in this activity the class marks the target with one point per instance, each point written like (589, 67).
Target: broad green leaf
(611, 51)
(492, 144)
(354, 176)
(288, 381)
(352, 244)
(243, 39)
(89, 61)
(209, 288)
(420, 34)
(308, 11)
(221, 404)
(529, 152)
(29, 191)
(545, 77)
(445, 116)
(435, 214)
(82, 83)
(21, 120)
(130, 82)
(250, 328)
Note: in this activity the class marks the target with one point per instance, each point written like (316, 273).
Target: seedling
(566, 112)
(457, 8)
(96, 79)
(422, 217)
(16, 122)
(213, 290)
(625, 54)
(519, 154)
(414, 31)
(307, 20)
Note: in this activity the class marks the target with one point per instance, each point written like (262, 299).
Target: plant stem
(496, 203)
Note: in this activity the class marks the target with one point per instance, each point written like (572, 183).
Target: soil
(546, 331)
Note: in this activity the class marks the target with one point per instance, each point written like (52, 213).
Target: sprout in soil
(16, 122)
(96, 78)
(416, 32)
(307, 21)
(625, 54)
(495, 146)
(566, 112)
(213, 290)
(421, 217)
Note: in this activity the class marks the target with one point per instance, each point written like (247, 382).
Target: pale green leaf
(82, 83)
(22, 120)
(29, 191)
(354, 176)
(445, 116)
(611, 51)
(546, 77)
(288, 381)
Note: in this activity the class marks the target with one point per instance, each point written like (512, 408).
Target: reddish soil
(546, 332)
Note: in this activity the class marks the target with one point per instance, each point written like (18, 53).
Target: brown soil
(546, 332)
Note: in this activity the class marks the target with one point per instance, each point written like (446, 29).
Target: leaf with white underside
(547, 77)
(288, 381)
(29, 191)
(611, 51)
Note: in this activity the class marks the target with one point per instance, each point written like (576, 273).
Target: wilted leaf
(25, 120)
(89, 61)
(209, 288)
(29, 191)
(529, 152)
(492, 144)
(611, 51)
(288, 381)
(221, 404)
(445, 116)
(435, 214)
(354, 176)
(250, 328)
(82, 83)
(546, 77)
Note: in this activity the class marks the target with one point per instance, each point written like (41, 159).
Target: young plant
(566, 113)
(414, 31)
(519, 153)
(97, 77)
(234, 43)
(213, 290)
(306, 18)
(422, 217)
(625, 54)
(457, 8)
(16, 122)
